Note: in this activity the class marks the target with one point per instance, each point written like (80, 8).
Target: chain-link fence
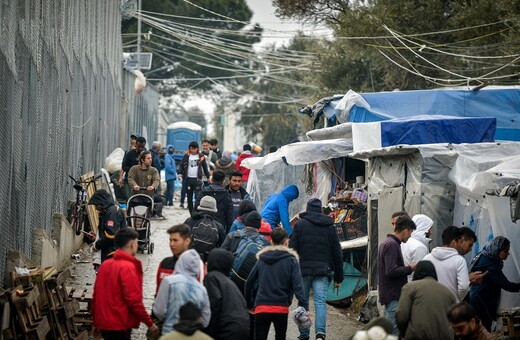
(65, 104)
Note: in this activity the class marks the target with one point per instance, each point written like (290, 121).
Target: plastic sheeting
(423, 130)
(275, 176)
(303, 153)
(502, 102)
(337, 131)
(272, 178)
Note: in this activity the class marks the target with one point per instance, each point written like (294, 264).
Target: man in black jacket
(216, 190)
(111, 219)
(316, 241)
(238, 194)
(229, 314)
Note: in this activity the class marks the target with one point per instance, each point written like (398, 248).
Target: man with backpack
(244, 244)
(216, 190)
(206, 232)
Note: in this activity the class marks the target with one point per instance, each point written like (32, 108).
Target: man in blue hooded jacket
(276, 208)
(170, 174)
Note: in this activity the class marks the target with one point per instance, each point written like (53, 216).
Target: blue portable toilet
(180, 134)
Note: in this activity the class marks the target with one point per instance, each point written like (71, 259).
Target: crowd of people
(234, 289)
(425, 294)
(234, 270)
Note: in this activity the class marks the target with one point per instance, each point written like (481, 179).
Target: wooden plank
(93, 215)
(63, 276)
(77, 293)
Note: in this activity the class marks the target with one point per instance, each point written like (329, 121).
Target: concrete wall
(55, 250)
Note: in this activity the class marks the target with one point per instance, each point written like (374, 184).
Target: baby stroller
(139, 210)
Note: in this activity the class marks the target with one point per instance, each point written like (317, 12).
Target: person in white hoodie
(452, 269)
(417, 246)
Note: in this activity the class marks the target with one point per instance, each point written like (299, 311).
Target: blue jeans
(170, 190)
(390, 309)
(319, 285)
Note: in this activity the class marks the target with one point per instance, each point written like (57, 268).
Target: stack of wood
(39, 306)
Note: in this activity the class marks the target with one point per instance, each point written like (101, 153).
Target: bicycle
(77, 211)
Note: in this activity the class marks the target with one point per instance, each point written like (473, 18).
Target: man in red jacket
(238, 164)
(117, 303)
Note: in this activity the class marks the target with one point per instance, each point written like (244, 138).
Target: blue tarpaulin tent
(500, 102)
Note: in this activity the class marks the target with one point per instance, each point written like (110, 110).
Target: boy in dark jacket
(229, 315)
(271, 285)
(315, 240)
(111, 219)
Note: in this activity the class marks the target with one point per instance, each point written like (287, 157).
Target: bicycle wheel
(78, 221)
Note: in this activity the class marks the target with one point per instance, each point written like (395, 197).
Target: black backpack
(204, 236)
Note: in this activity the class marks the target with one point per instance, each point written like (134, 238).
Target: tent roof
(502, 102)
(303, 153)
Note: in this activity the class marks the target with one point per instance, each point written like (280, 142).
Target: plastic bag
(114, 160)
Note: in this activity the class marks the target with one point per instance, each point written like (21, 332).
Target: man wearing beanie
(315, 240)
(206, 232)
(249, 237)
(245, 207)
(252, 224)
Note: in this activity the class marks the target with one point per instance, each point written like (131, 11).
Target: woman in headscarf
(486, 297)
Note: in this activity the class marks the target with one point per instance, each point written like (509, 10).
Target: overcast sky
(263, 13)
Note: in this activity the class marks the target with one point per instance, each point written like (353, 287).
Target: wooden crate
(511, 326)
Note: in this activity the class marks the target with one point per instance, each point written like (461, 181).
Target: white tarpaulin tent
(448, 183)
(303, 153)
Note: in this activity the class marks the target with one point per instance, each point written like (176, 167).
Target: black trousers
(263, 323)
(117, 335)
(192, 188)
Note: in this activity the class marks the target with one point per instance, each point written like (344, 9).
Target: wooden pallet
(62, 308)
(27, 321)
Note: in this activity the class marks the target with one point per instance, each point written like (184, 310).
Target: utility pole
(139, 35)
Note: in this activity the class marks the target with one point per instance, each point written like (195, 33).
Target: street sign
(130, 61)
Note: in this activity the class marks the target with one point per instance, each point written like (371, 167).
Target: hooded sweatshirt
(452, 270)
(276, 207)
(111, 219)
(170, 168)
(416, 248)
(178, 289)
(273, 281)
(229, 314)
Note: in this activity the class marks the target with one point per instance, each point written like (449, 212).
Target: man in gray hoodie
(178, 289)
